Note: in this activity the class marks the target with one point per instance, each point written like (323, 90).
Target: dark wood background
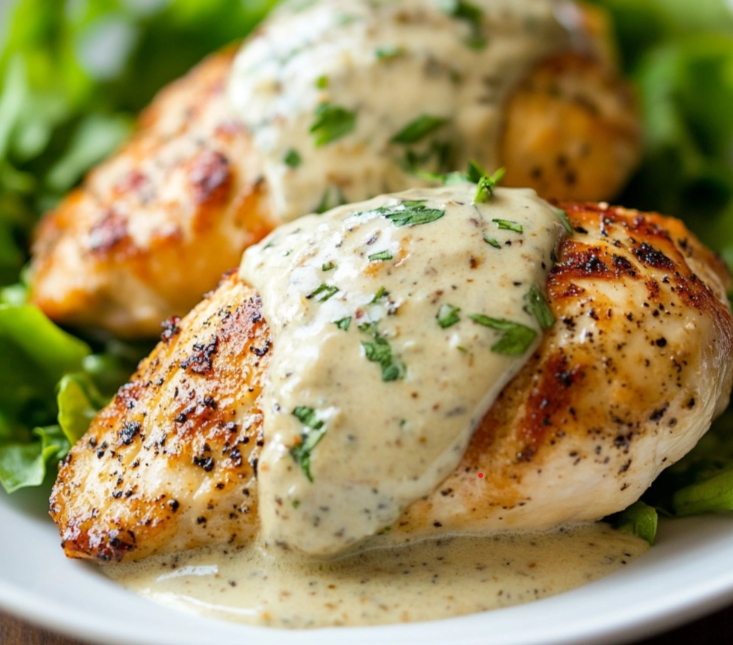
(713, 630)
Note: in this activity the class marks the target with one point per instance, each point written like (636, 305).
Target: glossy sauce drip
(347, 99)
(396, 323)
(425, 581)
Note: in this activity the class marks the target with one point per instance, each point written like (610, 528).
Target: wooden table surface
(713, 630)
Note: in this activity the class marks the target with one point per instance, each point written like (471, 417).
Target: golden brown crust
(635, 368)
(154, 227)
(624, 384)
(171, 462)
(572, 130)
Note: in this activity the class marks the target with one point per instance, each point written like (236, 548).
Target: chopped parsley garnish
(322, 82)
(475, 172)
(419, 129)
(332, 123)
(390, 51)
(309, 439)
(380, 351)
(564, 219)
(329, 266)
(296, 503)
(369, 328)
(323, 293)
(486, 185)
(515, 339)
(293, 158)
(506, 225)
(462, 10)
(492, 242)
(448, 316)
(410, 214)
(383, 255)
(378, 296)
(343, 324)
(537, 307)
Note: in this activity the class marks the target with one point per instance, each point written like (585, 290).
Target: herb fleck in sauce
(425, 581)
(440, 326)
(374, 94)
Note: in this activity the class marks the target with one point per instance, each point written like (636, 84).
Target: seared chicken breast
(624, 383)
(153, 228)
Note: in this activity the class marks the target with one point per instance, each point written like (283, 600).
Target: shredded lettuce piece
(79, 401)
(25, 464)
(701, 482)
(714, 494)
(639, 520)
(51, 387)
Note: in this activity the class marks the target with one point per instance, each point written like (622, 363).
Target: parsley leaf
(515, 339)
(506, 225)
(492, 242)
(293, 158)
(383, 255)
(343, 324)
(388, 52)
(487, 184)
(380, 351)
(410, 214)
(309, 439)
(378, 296)
(475, 172)
(322, 82)
(308, 417)
(564, 219)
(537, 307)
(419, 129)
(332, 123)
(448, 316)
(329, 266)
(323, 293)
(469, 12)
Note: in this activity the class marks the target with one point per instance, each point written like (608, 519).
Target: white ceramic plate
(688, 573)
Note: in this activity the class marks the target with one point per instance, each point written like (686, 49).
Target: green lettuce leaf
(78, 401)
(26, 464)
(639, 520)
(702, 481)
(35, 356)
(714, 494)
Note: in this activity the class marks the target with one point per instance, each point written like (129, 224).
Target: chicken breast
(622, 386)
(155, 226)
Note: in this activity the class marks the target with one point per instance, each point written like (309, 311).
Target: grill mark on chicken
(621, 387)
(210, 178)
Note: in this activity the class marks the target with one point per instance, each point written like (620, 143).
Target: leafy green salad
(66, 102)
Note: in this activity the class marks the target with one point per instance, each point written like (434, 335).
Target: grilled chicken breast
(154, 227)
(622, 386)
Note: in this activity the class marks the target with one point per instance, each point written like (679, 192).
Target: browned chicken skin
(156, 225)
(622, 386)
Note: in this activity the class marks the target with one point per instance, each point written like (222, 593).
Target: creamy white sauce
(425, 581)
(366, 70)
(388, 432)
